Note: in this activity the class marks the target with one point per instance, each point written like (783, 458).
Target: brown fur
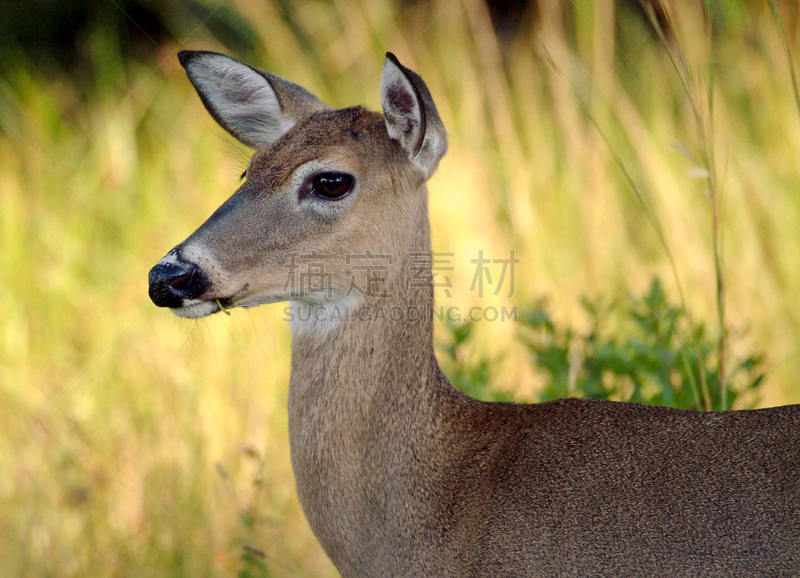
(399, 474)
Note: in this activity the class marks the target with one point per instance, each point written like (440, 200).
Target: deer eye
(331, 185)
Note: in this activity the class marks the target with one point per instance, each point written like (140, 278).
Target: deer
(397, 472)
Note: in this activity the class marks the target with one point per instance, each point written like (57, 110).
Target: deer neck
(363, 395)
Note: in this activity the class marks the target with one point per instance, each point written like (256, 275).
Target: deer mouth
(197, 309)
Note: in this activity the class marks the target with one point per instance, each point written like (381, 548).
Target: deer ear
(411, 117)
(254, 106)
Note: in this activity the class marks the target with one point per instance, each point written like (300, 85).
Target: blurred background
(641, 160)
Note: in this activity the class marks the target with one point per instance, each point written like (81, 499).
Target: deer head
(323, 182)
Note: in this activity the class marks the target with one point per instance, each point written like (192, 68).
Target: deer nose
(173, 281)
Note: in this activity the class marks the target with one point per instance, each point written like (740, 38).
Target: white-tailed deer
(398, 473)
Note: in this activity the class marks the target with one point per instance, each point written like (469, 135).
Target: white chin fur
(196, 310)
(311, 319)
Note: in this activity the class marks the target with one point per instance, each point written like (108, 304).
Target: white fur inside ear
(244, 101)
(401, 108)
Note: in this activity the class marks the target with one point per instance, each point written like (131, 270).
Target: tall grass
(135, 444)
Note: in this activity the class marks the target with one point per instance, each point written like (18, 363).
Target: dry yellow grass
(135, 444)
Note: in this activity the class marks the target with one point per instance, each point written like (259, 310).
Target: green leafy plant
(468, 373)
(641, 349)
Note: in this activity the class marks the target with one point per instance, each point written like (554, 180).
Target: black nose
(174, 281)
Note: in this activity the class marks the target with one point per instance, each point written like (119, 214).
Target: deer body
(402, 475)
(398, 473)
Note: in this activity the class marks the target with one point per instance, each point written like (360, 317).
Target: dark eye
(332, 185)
